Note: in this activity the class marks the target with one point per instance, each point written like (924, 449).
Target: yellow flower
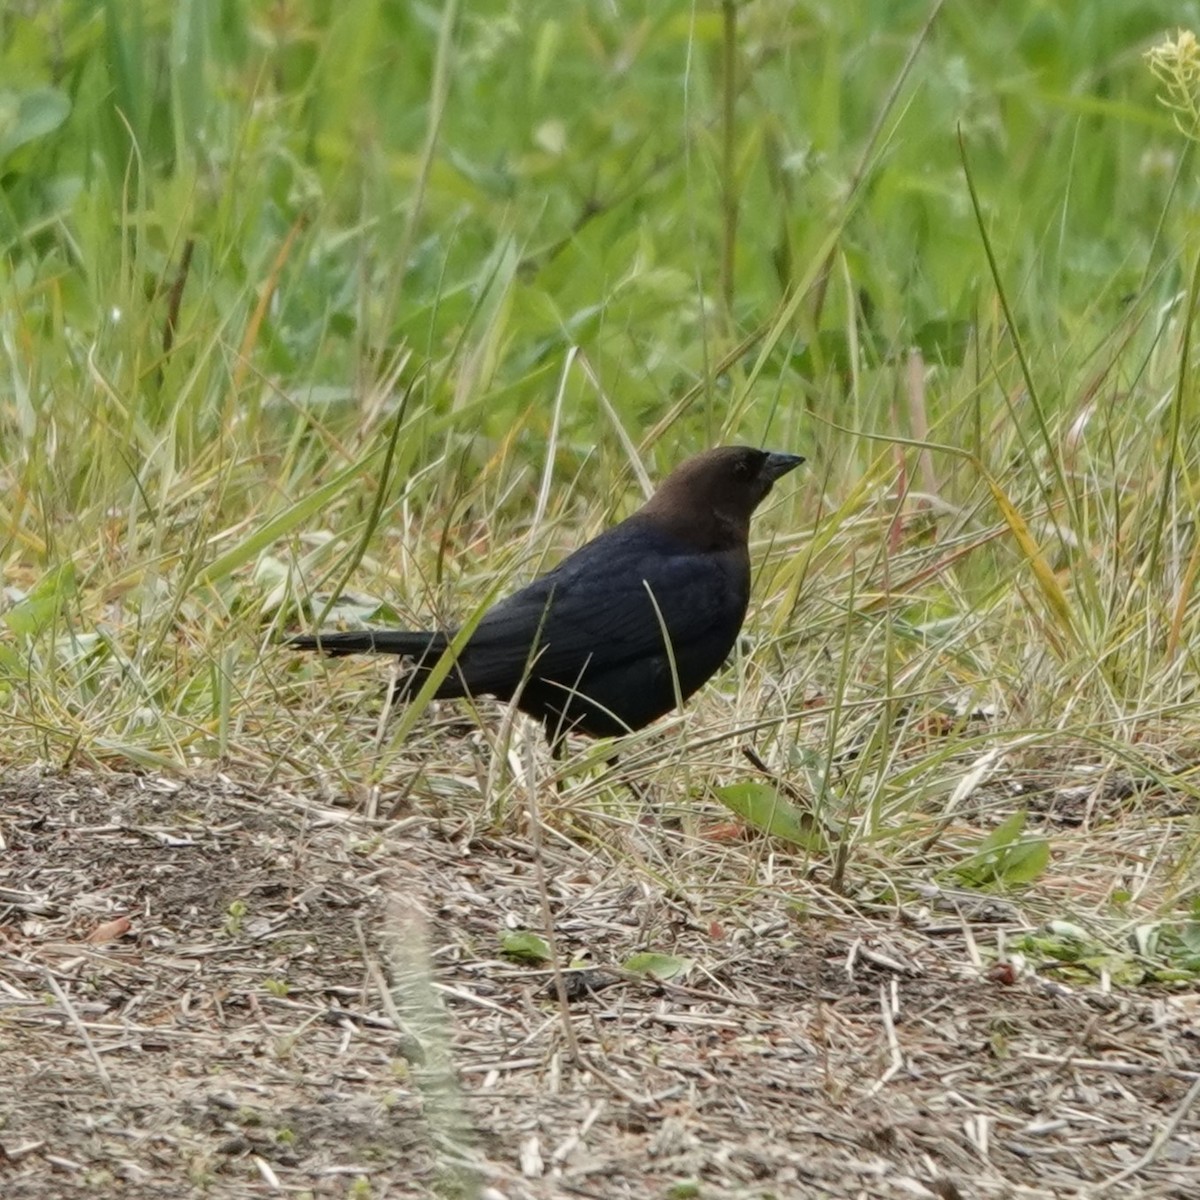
(1176, 65)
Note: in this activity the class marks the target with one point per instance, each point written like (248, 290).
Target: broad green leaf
(1002, 857)
(1005, 833)
(37, 610)
(26, 116)
(1024, 862)
(524, 946)
(762, 806)
(944, 341)
(657, 966)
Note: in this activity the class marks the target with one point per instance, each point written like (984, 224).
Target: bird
(625, 628)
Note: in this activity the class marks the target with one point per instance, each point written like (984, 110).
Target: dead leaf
(109, 931)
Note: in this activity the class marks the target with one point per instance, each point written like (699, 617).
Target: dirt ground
(211, 991)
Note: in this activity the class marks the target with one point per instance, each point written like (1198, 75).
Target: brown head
(708, 499)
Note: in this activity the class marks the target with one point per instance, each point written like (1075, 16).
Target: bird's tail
(415, 644)
(422, 647)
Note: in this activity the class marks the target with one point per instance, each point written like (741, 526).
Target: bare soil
(212, 990)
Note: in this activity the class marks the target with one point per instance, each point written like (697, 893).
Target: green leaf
(1007, 832)
(1003, 857)
(1068, 930)
(1025, 862)
(353, 610)
(657, 966)
(26, 116)
(524, 946)
(762, 806)
(39, 609)
(944, 341)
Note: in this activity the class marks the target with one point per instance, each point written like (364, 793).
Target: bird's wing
(596, 606)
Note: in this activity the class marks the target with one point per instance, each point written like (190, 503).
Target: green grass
(555, 249)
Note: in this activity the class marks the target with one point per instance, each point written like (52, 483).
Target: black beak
(777, 465)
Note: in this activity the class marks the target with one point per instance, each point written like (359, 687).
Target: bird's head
(709, 498)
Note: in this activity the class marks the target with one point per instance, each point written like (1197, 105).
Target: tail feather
(422, 647)
(415, 644)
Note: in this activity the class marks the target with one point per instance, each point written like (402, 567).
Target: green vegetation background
(557, 247)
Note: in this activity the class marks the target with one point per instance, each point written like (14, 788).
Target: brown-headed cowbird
(626, 627)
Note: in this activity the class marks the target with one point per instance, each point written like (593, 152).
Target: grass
(407, 301)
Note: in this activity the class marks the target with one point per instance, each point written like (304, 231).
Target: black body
(627, 626)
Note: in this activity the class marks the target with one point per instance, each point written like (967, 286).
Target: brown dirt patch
(306, 1002)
